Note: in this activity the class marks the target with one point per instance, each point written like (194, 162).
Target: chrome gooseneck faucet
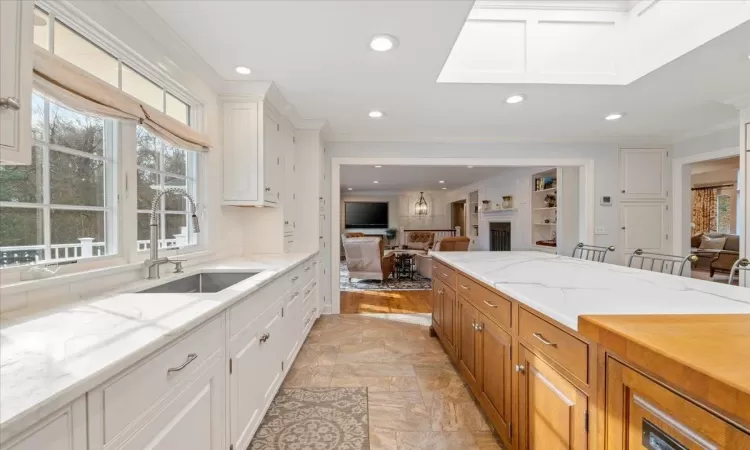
(153, 262)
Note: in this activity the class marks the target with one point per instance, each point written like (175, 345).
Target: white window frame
(122, 136)
(720, 194)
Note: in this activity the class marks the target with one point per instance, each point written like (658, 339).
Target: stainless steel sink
(200, 283)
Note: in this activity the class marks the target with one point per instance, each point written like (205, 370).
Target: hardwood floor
(354, 302)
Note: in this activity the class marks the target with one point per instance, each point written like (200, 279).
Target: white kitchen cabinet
(192, 420)
(16, 40)
(253, 154)
(644, 226)
(63, 430)
(644, 174)
(290, 181)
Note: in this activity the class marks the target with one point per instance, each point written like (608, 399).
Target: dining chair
(591, 252)
(740, 264)
(660, 262)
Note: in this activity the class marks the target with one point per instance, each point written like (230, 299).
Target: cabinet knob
(264, 337)
(11, 103)
(623, 191)
(520, 368)
(268, 189)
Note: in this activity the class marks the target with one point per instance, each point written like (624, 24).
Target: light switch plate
(600, 230)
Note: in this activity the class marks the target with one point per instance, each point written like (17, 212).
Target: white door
(643, 174)
(194, 420)
(644, 226)
(16, 38)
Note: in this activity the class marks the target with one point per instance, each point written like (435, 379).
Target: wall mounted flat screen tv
(366, 214)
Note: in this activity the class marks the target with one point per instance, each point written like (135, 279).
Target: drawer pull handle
(294, 279)
(491, 305)
(307, 291)
(444, 274)
(295, 294)
(190, 358)
(307, 269)
(315, 283)
(440, 292)
(434, 266)
(543, 340)
(264, 337)
(464, 287)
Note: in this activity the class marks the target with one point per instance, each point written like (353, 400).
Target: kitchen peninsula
(565, 353)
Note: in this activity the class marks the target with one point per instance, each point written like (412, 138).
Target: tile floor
(415, 396)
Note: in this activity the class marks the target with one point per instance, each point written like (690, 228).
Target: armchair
(420, 240)
(446, 244)
(365, 260)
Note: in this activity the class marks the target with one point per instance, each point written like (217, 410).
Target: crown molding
(709, 130)
(608, 140)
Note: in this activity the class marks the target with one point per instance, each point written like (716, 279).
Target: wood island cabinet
(468, 343)
(545, 386)
(552, 411)
(494, 374)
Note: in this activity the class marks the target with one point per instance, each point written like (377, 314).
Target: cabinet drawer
(490, 303)
(300, 275)
(567, 350)
(641, 411)
(443, 273)
(247, 311)
(133, 395)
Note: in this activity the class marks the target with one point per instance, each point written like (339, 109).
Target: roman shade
(60, 81)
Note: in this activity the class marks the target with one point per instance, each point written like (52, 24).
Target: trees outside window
(61, 205)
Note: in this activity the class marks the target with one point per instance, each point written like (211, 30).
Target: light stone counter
(564, 288)
(50, 359)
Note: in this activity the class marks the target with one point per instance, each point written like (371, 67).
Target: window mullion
(46, 194)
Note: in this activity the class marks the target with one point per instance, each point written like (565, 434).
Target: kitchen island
(541, 341)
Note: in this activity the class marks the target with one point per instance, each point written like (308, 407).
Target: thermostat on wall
(606, 200)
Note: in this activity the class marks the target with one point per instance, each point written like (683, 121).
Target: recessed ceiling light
(378, 167)
(614, 116)
(470, 167)
(517, 98)
(441, 182)
(383, 43)
(376, 181)
(349, 189)
(376, 114)
(445, 188)
(242, 70)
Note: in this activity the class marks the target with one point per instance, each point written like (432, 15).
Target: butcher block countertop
(707, 357)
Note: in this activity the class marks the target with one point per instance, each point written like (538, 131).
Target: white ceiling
(317, 53)
(412, 178)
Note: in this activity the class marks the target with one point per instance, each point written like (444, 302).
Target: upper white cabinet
(16, 20)
(643, 174)
(253, 153)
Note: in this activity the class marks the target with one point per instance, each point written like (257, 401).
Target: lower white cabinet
(208, 390)
(62, 430)
(193, 420)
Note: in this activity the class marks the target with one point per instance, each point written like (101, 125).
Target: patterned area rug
(419, 283)
(315, 418)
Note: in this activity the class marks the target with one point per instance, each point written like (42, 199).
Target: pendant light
(420, 208)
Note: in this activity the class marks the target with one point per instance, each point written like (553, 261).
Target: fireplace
(499, 236)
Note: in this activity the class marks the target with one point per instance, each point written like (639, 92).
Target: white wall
(726, 138)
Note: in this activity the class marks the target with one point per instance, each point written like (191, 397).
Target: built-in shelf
(541, 230)
(549, 208)
(546, 190)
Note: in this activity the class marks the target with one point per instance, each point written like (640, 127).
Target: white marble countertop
(50, 359)
(564, 288)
